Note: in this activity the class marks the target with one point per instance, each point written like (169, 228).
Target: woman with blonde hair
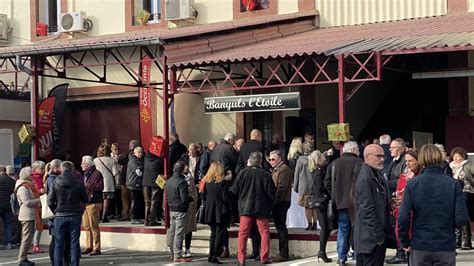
(217, 208)
(294, 152)
(305, 174)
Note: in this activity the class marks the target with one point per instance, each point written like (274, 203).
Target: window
(151, 6)
(254, 5)
(48, 13)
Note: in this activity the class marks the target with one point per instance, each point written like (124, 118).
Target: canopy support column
(340, 79)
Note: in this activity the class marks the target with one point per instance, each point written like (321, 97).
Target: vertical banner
(60, 93)
(146, 126)
(44, 138)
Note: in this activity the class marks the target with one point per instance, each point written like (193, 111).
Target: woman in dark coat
(217, 208)
(321, 192)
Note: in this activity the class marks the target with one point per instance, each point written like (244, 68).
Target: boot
(323, 240)
(399, 258)
(310, 227)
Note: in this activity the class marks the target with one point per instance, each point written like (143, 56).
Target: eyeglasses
(379, 156)
(272, 159)
(393, 148)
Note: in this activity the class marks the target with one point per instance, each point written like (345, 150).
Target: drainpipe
(166, 136)
(34, 103)
(340, 79)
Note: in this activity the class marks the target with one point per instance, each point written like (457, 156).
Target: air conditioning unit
(179, 9)
(73, 21)
(3, 28)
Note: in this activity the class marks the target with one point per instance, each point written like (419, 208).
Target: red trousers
(263, 225)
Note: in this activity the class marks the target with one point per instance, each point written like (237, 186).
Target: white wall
(108, 16)
(287, 6)
(213, 11)
(19, 20)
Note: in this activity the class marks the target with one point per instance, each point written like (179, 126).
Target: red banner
(146, 127)
(44, 138)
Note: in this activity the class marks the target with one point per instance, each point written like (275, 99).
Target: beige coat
(27, 201)
(191, 222)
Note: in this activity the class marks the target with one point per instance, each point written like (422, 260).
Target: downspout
(34, 103)
(10, 28)
(166, 136)
(340, 81)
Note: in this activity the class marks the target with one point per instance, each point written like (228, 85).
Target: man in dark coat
(398, 165)
(373, 231)
(122, 159)
(254, 145)
(225, 153)
(153, 194)
(256, 193)
(432, 207)
(7, 185)
(134, 183)
(345, 170)
(205, 160)
(385, 141)
(94, 183)
(177, 149)
(64, 199)
(176, 190)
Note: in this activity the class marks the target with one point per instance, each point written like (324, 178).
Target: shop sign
(146, 126)
(253, 103)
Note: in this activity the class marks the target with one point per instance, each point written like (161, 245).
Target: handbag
(46, 213)
(200, 216)
(331, 212)
(316, 202)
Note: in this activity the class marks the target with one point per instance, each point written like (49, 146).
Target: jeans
(7, 217)
(176, 233)
(63, 227)
(343, 233)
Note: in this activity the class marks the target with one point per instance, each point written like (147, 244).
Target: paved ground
(125, 257)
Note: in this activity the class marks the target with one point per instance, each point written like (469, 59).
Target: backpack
(14, 204)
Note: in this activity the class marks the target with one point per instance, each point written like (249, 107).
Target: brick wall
(457, 6)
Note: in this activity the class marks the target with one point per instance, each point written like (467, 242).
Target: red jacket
(38, 181)
(94, 183)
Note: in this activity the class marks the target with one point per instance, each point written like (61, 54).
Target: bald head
(255, 134)
(374, 156)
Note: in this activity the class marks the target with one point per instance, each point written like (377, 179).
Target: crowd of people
(378, 196)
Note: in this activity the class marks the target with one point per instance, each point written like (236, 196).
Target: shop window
(254, 5)
(48, 14)
(153, 7)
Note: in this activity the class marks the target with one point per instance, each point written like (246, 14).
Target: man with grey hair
(282, 178)
(225, 153)
(255, 190)
(344, 171)
(65, 197)
(94, 183)
(10, 171)
(385, 140)
(445, 165)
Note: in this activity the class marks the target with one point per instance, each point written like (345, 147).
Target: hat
(25, 173)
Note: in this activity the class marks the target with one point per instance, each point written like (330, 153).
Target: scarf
(36, 195)
(457, 168)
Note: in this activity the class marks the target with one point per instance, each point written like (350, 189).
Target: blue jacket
(436, 202)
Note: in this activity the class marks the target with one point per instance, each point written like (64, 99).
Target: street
(126, 257)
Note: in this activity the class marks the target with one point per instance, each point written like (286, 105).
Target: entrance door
(92, 121)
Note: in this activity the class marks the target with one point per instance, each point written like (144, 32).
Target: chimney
(457, 6)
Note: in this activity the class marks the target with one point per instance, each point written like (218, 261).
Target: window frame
(152, 24)
(34, 18)
(271, 10)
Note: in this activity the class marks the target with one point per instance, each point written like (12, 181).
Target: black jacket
(153, 166)
(177, 149)
(372, 217)
(255, 190)
(134, 173)
(7, 185)
(225, 153)
(346, 168)
(66, 196)
(395, 168)
(217, 203)
(176, 190)
(436, 202)
(247, 149)
(388, 158)
(123, 161)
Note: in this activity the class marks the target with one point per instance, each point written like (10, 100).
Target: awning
(148, 37)
(444, 32)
